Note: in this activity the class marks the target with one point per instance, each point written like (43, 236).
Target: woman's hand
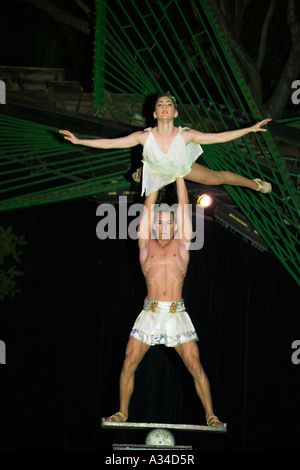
(258, 126)
(71, 137)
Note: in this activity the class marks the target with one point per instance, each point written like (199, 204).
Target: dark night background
(66, 332)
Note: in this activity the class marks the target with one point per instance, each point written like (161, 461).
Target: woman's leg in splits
(201, 174)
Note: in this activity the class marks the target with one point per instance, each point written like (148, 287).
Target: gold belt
(163, 307)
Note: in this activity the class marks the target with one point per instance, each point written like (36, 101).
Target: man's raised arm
(146, 222)
(184, 222)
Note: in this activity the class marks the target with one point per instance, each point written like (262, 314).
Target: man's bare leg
(189, 353)
(135, 351)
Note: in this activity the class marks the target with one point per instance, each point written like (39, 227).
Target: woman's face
(165, 108)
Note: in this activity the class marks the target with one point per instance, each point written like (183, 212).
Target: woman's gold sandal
(263, 186)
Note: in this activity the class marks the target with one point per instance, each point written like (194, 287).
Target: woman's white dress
(160, 169)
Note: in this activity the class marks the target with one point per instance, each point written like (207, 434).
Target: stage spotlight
(205, 200)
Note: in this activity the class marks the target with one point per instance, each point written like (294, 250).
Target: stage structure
(139, 51)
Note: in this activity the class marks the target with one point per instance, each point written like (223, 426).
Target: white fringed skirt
(165, 323)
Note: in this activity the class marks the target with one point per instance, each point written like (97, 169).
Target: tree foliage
(265, 38)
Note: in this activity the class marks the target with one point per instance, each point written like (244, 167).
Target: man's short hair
(164, 207)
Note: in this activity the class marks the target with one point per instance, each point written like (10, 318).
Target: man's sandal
(117, 418)
(214, 421)
(263, 186)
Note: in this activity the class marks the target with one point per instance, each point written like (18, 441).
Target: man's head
(165, 106)
(164, 223)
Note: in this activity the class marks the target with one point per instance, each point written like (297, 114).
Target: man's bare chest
(165, 256)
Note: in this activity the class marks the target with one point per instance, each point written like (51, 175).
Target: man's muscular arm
(146, 222)
(184, 223)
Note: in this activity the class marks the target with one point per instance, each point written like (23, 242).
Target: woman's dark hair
(169, 95)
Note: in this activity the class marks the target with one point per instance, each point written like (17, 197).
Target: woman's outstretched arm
(128, 141)
(221, 137)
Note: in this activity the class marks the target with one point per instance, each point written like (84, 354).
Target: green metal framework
(39, 168)
(142, 48)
